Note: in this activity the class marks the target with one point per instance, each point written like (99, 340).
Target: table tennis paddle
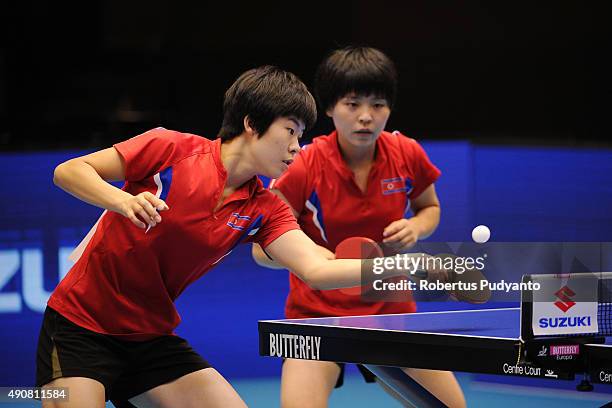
(366, 248)
(357, 248)
(471, 276)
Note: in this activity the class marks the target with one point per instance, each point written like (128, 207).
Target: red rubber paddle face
(357, 248)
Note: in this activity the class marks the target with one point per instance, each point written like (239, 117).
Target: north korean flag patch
(395, 185)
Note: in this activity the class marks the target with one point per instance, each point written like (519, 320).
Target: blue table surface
(499, 323)
(492, 323)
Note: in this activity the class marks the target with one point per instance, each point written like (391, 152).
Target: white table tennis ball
(481, 234)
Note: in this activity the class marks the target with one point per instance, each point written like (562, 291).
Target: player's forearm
(81, 180)
(344, 273)
(427, 219)
(260, 257)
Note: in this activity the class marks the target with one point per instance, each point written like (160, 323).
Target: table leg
(411, 392)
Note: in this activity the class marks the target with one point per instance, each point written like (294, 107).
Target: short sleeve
(425, 172)
(153, 151)
(278, 221)
(294, 183)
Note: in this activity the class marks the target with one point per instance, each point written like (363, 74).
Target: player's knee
(307, 383)
(302, 394)
(452, 397)
(458, 402)
(303, 401)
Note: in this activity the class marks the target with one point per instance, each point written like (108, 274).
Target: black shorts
(125, 368)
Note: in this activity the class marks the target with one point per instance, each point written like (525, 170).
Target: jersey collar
(246, 190)
(379, 159)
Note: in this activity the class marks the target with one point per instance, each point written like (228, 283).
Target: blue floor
(264, 393)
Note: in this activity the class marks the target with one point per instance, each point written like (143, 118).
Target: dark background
(80, 76)
(85, 75)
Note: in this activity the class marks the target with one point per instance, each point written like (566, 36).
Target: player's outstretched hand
(436, 272)
(142, 209)
(467, 281)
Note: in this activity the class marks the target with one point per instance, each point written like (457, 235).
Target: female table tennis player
(108, 330)
(357, 181)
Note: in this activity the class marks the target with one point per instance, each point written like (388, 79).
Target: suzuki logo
(565, 295)
(32, 292)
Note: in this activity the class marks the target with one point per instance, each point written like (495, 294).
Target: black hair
(265, 94)
(362, 70)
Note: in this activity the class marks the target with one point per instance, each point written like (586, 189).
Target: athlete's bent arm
(86, 178)
(404, 233)
(261, 259)
(426, 208)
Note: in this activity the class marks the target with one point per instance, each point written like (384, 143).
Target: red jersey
(322, 190)
(126, 280)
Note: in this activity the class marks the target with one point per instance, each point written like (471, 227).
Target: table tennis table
(475, 341)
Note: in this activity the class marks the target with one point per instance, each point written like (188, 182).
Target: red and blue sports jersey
(127, 278)
(321, 189)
